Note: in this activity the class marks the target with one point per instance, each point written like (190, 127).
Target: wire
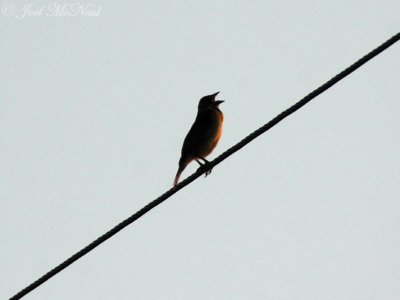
(211, 164)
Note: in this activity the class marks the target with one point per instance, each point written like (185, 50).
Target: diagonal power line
(211, 164)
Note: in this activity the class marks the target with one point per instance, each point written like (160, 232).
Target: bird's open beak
(217, 102)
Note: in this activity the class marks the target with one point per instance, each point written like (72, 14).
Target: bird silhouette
(203, 136)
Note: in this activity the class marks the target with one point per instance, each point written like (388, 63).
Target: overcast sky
(93, 113)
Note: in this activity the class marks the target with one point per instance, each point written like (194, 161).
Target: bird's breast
(214, 132)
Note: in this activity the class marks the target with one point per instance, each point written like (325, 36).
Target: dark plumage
(204, 134)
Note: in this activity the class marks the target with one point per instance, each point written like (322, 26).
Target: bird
(203, 136)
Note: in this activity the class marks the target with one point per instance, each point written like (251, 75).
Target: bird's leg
(204, 165)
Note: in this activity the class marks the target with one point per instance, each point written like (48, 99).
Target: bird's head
(209, 102)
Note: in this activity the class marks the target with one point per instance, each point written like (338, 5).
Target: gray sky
(92, 118)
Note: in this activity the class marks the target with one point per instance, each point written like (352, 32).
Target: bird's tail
(183, 162)
(178, 174)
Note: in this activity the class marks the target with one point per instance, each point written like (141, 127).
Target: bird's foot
(204, 166)
(208, 172)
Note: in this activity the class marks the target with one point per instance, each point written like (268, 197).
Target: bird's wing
(198, 133)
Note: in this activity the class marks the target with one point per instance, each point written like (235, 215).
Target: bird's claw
(205, 166)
